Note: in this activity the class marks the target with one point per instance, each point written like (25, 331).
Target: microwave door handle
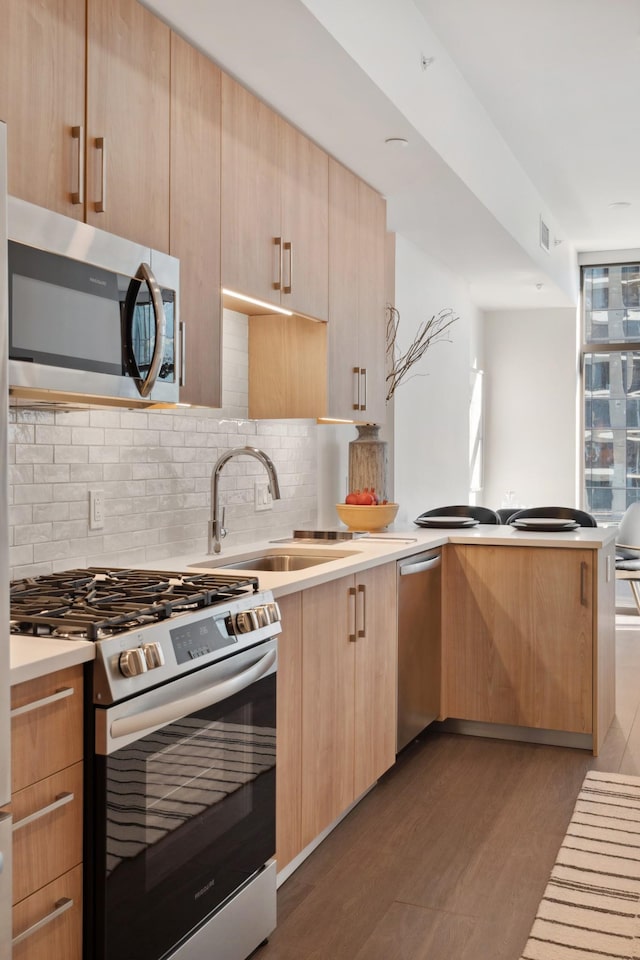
(174, 710)
(145, 273)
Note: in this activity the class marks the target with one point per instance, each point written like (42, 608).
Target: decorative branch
(429, 331)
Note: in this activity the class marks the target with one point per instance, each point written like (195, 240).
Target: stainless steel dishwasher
(419, 579)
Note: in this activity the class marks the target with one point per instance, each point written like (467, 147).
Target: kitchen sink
(275, 561)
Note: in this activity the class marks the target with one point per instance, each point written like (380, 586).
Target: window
(611, 385)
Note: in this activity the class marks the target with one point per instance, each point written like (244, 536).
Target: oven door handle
(177, 709)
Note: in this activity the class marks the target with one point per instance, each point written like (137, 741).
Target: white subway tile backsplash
(69, 491)
(68, 454)
(87, 472)
(49, 512)
(32, 533)
(51, 473)
(29, 453)
(33, 493)
(47, 433)
(154, 469)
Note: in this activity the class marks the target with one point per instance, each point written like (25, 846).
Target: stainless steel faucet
(216, 525)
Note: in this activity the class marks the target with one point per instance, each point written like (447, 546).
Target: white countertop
(32, 657)
(36, 656)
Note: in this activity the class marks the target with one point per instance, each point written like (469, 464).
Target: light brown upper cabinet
(103, 156)
(128, 109)
(42, 100)
(336, 370)
(195, 217)
(356, 331)
(274, 207)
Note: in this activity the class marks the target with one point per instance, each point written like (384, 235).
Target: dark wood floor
(448, 857)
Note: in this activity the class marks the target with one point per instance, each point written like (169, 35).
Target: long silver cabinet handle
(288, 287)
(362, 590)
(356, 373)
(45, 702)
(77, 196)
(278, 283)
(363, 375)
(408, 569)
(353, 596)
(61, 906)
(61, 801)
(101, 204)
(177, 709)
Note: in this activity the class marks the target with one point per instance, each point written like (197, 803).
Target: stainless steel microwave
(92, 317)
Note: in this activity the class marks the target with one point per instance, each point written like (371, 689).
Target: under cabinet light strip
(259, 303)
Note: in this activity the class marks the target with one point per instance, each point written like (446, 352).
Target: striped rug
(591, 906)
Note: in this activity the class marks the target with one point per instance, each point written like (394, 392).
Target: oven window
(189, 816)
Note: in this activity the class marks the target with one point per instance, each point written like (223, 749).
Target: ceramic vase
(368, 460)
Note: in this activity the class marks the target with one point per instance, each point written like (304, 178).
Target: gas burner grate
(99, 602)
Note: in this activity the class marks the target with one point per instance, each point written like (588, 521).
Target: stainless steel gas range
(180, 759)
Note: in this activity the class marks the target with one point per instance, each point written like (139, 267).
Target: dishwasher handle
(407, 569)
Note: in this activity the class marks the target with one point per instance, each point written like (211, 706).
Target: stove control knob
(153, 655)
(132, 662)
(262, 616)
(246, 621)
(274, 612)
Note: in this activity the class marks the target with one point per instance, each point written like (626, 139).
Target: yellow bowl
(367, 518)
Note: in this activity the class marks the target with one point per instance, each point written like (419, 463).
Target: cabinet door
(128, 68)
(195, 216)
(371, 303)
(289, 727)
(328, 622)
(375, 678)
(518, 636)
(251, 259)
(305, 229)
(42, 99)
(342, 329)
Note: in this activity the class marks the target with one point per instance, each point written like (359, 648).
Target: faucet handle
(223, 529)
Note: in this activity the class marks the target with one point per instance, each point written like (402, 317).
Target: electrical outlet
(262, 495)
(96, 509)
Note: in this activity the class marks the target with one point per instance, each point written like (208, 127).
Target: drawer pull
(60, 801)
(61, 906)
(45, 702)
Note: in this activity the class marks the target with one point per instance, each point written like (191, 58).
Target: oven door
(184, 803)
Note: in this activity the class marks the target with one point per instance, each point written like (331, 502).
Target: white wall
(531, 388)
(431, 415)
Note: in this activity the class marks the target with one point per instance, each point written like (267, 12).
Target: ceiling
(546, 87)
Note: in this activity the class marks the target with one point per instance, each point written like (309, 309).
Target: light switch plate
(96, 509)
(263, 498)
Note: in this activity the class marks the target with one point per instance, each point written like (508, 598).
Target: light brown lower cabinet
(46, 803)
(336, 701)
(528, 637)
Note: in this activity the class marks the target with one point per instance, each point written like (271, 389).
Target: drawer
(47, 830)
(46, 726)
(50, 921)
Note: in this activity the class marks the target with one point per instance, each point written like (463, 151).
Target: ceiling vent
(544, 235)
